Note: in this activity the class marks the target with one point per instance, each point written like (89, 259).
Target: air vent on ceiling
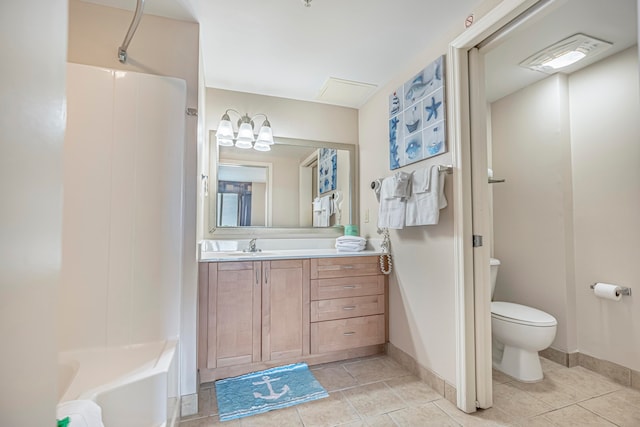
(345, 92)
(565, 53)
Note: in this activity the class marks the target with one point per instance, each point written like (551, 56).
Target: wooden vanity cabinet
(251, 313)
(348, 304)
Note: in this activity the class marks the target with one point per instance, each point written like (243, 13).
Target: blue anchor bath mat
(264, 391)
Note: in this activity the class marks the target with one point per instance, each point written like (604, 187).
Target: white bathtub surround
(81, 413)
(135, 385)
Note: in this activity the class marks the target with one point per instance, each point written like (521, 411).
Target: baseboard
(189, 405)
(616, 373)
(434, 381)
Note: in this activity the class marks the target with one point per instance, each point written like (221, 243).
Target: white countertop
(216, 256)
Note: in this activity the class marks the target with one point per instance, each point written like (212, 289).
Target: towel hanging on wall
(427, 197)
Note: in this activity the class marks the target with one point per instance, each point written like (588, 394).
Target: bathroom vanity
(279, 307)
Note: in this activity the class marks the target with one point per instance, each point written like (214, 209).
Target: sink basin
(236, 254)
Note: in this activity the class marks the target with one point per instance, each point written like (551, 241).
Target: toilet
(518, 334)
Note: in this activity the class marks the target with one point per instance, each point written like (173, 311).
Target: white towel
(402, 185)
(427, 198)
(81, 413)
(322, 216)
(391, 212)
(351, 243)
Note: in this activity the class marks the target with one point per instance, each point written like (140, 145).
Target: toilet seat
(521, 314)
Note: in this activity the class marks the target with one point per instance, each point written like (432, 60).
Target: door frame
(473, 310)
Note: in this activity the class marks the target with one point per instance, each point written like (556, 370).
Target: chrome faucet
(252, 246)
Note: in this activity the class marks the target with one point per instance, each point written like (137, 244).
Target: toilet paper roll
(607, 291)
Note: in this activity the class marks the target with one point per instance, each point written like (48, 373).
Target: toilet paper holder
(623, 291)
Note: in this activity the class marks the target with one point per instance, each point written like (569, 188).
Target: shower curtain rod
(122, 50)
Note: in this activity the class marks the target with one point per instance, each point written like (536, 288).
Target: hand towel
(322, 216)
(427, 198)
(402, 185)
(391, 211)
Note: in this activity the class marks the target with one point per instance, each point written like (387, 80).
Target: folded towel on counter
(351, 243)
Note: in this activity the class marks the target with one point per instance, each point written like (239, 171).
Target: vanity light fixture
(225, 136)
(565, 53)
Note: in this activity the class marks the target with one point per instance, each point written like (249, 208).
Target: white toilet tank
(495, 264)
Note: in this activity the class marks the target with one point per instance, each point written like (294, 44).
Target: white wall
(32, 123)
(164, 47)
(122, 217)
(532, 229)
(605, 131)
(421, 287)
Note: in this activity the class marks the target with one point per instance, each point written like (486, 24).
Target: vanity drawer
(327, 268)
(342, 308)
(335, 335)
(346, 287)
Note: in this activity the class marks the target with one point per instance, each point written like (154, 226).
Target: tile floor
(377, 391)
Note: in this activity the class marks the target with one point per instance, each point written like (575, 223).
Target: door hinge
(477, 241)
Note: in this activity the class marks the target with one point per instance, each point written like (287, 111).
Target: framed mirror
(299, 186)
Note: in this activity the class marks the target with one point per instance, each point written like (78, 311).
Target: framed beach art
(327, 169)
(417, 117)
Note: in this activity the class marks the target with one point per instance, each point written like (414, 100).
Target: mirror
(276, 189)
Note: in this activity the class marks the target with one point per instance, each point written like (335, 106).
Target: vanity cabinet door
(234, 323)
(285, 309)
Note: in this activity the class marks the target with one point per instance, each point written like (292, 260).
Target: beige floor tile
(207, 405)
(553, 392)
(378, 421)
(373, 399)
(482, 418)
(550, 365)
(334, 378)
(500, 378)
(371, 370)
(331, 411)
(413, 390)
(615, 408)
(576, 416)
(537, 421)
(209, 422)
(582, 379)
(286, 417)
(517, 403)
(424, 416)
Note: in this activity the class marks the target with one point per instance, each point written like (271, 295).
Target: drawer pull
(347, 334)
(349, 287)
(349, 307)
(347, 267)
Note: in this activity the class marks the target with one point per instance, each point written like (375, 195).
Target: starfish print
(433, 109)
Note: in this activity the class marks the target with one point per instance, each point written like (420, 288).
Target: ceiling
(282, 48)
(614, 21)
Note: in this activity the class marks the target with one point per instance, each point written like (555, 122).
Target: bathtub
(135, 385)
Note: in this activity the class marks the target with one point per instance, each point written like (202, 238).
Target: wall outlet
(366, 215)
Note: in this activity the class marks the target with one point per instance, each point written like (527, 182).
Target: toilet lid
(521, 314)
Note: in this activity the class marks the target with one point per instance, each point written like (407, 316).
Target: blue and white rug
(264, 391)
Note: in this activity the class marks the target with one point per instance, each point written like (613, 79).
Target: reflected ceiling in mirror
(277, 189)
